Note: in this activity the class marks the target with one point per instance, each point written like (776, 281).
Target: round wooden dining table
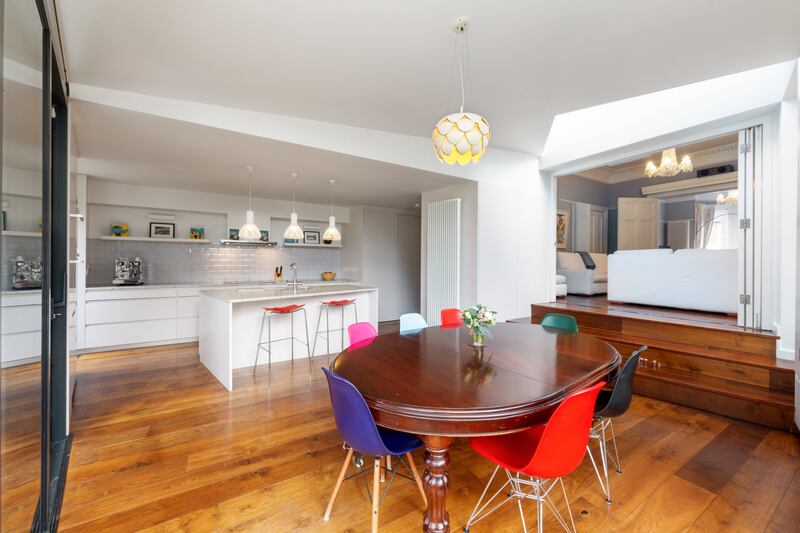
(435, 384)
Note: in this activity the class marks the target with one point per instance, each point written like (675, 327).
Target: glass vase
(478, 339)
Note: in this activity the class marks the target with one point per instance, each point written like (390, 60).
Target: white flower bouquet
(478, 319)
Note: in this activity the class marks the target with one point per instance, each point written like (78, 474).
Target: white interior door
(381, 261)
(598, 230)
(408, 275)
(637, 223)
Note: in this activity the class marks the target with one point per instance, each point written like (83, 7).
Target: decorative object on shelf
(669, 165)
(162, 230)
(127, 272)
(249, 231)
(233, 234)
(27, 274)
(264, 235)
(331, 232)
(278, 274)
(562, 228)
(39, 225)
(731, 198)
(3, 226)
(197, 233)
(119, 230)
(291, 241)
(311, 237)
(328, 276)
(461, 137)
(478, 320)
(294, 231)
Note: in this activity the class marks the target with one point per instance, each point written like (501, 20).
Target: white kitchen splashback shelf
(152, 239)
(304, 245)
(10, 233)
(236, 242)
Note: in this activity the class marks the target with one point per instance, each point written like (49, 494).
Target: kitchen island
(230, 323)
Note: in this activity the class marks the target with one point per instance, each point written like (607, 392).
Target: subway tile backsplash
(206, 263)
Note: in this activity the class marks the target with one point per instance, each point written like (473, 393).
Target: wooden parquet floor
(159, 445)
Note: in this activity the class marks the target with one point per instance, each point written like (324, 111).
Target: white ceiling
(132, 147)
(386, 66)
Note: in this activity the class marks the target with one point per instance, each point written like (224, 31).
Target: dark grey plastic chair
(611, 404)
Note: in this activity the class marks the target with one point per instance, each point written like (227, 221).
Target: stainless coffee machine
(27, 273)
(128, 272)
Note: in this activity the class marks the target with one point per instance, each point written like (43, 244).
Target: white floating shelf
(9, 233)
(237, 242)
(304, 245)
(152, 239)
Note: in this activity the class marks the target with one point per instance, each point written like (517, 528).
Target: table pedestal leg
(437, 460)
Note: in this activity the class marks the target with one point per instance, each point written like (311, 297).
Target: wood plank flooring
(159, 445)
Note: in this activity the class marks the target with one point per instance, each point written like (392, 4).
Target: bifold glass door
(750, 211)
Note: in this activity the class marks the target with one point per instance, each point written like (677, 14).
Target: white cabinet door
(380, 261)
(105, 312)
(638, 223)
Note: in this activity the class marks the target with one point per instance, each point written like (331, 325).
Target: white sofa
(705, 280)
(581, 280)
(561, 286)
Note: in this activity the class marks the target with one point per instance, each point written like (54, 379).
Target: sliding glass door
(750, 227)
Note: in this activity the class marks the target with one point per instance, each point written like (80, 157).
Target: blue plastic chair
(412, 322)
(364, 437)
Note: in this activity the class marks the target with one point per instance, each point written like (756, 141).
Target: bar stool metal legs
(326, 308)
(267, 345)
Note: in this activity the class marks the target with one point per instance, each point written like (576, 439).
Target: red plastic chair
(361, 332)
(543, 454)
(451, 317)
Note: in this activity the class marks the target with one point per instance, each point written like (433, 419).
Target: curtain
(703, 223)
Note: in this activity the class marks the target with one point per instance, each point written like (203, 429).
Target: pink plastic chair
(361, 332)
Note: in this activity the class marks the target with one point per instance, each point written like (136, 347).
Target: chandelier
(461, 137)
(728, 199)
(669, 165)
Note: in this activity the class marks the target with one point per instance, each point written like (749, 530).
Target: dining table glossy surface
(434, 383)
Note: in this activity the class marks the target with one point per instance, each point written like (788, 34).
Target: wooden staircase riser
(686, 334)
(768, 378)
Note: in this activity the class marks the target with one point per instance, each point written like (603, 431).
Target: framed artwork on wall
(562, 228)
(162, 230)
(311, 237)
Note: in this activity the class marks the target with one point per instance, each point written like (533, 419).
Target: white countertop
(308, 283)
(242, 295)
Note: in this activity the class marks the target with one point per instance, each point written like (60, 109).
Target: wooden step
(736, 400)
(682, 331)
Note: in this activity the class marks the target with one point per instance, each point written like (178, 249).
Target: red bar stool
(289, 310)
(326, 333)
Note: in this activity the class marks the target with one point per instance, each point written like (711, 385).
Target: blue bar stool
(289, 310)
(326, 333)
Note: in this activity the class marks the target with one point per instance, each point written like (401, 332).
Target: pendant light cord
(250, 190)
(461, 73)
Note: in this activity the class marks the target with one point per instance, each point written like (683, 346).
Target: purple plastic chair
(363, 437)
(360, 332)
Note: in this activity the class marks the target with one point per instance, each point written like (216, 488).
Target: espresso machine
(127, 271)
(27, 273)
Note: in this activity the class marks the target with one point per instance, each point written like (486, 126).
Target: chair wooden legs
(383, 469)
(338, 485)
(376, 493)
(418, 479)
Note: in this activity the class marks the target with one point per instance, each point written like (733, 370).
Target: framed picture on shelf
(311, 237)
(197, 233)
(562, 228)
(119, 230)
(264, 235)
(233, 234)
(162, 230)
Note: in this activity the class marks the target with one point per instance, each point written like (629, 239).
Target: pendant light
(249, 231)
(461, 137)
(294, 231)
(332, 232)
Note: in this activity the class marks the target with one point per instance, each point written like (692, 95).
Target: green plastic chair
(559, 321)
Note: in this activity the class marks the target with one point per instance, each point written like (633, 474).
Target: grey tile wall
(27, 247)
(206, 263)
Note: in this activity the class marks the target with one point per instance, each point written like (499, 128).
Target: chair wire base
(598, 433)
(521, 487)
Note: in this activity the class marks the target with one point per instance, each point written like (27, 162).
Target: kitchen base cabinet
(134, 332)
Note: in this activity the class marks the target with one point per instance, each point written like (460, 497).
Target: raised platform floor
(702, 360)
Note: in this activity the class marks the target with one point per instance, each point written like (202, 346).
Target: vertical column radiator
(443, 258)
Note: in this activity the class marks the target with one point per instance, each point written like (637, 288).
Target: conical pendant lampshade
(249, 231)
(331, 232)
(294, 231)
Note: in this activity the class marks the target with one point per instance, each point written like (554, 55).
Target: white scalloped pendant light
(461, 137)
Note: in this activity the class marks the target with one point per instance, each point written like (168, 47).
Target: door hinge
(745, 148)
(744, 223)
(744, 299)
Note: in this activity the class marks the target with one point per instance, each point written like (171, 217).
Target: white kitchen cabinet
(131, 332)
(22, 318)
(110, 311)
